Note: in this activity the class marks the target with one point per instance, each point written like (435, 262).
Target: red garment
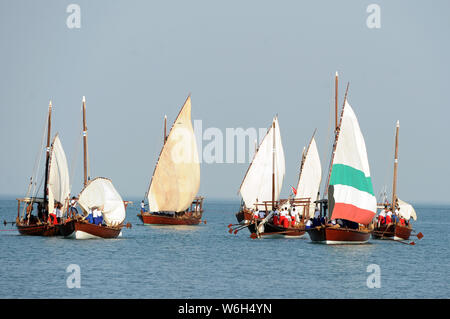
(388, 219)
(53, 219)
(402, 222)
(285, 223)
(282, 219)
(293, 221)
(381, 219)
(275, 220)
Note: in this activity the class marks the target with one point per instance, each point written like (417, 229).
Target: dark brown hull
(242, 216)
(392, 231)
(402, 232)
(83, 230)
(274, 231)
(151, 219)
(333, 236)
(384, 232)
(39, 230)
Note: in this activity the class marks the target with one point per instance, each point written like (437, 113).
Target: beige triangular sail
(257, 183)
(310, 176)
(406, 210)
(176, 178)
(58, 178)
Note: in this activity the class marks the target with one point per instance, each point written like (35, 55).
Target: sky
(243, 62)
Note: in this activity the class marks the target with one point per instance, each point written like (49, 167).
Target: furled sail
(350, 191)
(176, 178)
(100, 193)
(310, 176)
(257, 183)
(406, 210)
(58, 179)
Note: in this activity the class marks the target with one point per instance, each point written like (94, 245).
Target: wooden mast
(394, 183)
(336, 101)
(84, 142)
(335, 140)
(273, 166)
(47, 160)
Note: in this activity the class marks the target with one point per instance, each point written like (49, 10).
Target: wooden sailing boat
(351, 200)
(56, 189)
(175, 182)
(260, 189)
(98, 193)
(400, 230)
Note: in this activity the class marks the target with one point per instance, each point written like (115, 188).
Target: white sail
(257, 183)
(406, 210)
(310, 176)
(58, 178)
(176, 178)
(100, 193)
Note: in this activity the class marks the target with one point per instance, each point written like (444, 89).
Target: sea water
(205, 261)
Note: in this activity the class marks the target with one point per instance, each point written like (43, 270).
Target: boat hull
(152, 219)
(338, 236)
(402, 232)
(39, 230)
(243, 216)
(384, 232)
(392, 231)
(76, 229)
(273, 231)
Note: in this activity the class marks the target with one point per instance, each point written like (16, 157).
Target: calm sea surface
(207, 262)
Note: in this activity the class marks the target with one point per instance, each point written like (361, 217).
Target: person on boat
(72, 209)
(256, 214)
(389, 217)
(308, 224)
(97, 216)
(316, 219)
(282, 217)
(382, 216)
(89, 217)
(293, 219)
(262, 214)
(58, 212)
(275, 218)
(52, 216)
(143, 207)
(287, 220)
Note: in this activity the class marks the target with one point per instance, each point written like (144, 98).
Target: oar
(419, 235)
(6, 223)
(400, 241)
(235, 230)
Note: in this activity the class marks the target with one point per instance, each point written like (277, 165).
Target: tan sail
(176, 178)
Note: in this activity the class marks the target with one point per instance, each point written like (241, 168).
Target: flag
(294, 190)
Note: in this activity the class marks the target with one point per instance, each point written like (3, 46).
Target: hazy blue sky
(243, 62)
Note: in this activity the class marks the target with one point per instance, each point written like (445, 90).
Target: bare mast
(394, 183)
(47, 160)
(273, 166)
(84, 142)
(335, 141)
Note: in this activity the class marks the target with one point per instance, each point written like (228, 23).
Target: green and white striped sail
(350, 190)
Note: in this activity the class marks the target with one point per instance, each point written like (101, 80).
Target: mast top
(337, 74)
(84, 99)
(398, 123)
(50, 104)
